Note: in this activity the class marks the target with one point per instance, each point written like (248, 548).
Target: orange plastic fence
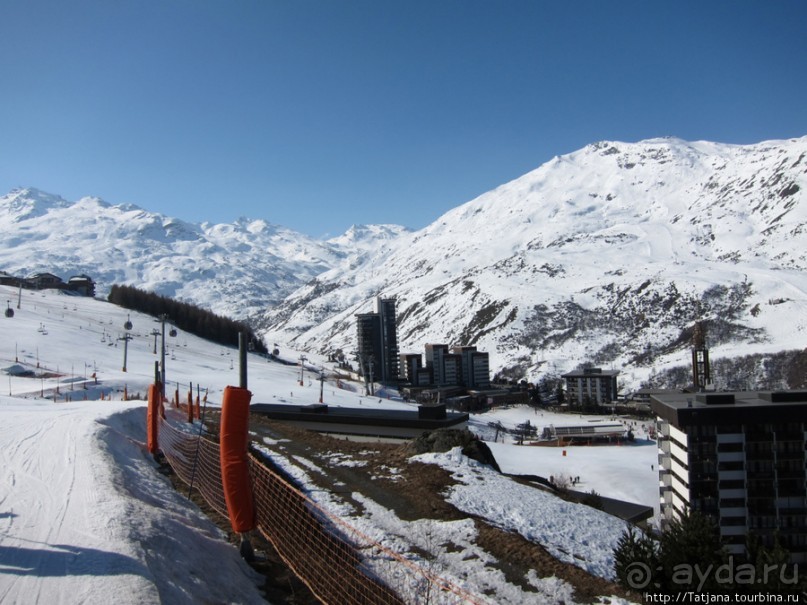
(181, 447)
(338, 563)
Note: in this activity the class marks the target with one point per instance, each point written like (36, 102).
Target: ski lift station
(584, 433)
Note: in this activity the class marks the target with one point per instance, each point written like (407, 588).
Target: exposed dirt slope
(415, 491)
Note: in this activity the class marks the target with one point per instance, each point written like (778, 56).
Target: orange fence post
(234, 438)
(190, 407)
(190, 413)
(153, 417)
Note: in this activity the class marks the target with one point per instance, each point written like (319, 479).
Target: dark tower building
(378, 342)
(385, 307)
(475, 367)
(368, 332)
(435, 359)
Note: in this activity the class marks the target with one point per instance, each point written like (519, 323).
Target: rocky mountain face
(608, 255)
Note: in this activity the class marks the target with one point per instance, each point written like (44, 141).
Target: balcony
(730, 438)
(730, 456)
(731, 493)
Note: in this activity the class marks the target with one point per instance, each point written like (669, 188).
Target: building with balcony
(452, 370)
(475, 367)
(413, 372)
(377, 337)
(435, 355)
(739, 458)
(591, 386)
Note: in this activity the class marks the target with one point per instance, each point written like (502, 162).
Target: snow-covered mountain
(608, 255)
(236, 269)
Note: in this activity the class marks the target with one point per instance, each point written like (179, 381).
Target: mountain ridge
(605, 255)
(235, 269)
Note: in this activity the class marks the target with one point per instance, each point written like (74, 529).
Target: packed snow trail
(85, 518)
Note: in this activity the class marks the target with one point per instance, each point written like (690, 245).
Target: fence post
(242, 360)
(190, 405)
(234, 437)
(152, 417)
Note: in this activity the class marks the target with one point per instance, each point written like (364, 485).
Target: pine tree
(772, 567)
(636, 561)
(691, 551)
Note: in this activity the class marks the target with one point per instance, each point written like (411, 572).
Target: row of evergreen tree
(185, 316)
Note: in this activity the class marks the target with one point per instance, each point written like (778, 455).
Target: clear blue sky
(318, 114)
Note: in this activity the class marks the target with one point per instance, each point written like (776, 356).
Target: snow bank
(573, 533)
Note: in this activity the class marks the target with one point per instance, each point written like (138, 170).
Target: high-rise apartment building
(591, 386)
(475, 367)
(377, 336)
(435, 356)
(411, 366)
(385, 307)
(452, 369)
(739, 458)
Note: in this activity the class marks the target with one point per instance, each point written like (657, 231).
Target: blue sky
(319, 114)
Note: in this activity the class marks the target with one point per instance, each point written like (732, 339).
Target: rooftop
(591, 372)
(362, 421)
(740, 407)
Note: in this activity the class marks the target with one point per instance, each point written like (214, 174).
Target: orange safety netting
(338, 563)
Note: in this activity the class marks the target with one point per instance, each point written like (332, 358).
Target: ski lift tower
(163, 318)
(303, 359)
(127, 326)
(321, 384)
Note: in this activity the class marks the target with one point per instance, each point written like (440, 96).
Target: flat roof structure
(589, 430)
(396, 424)
(745, 407)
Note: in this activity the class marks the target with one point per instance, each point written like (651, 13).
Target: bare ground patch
(416, 491)
(383, 473)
